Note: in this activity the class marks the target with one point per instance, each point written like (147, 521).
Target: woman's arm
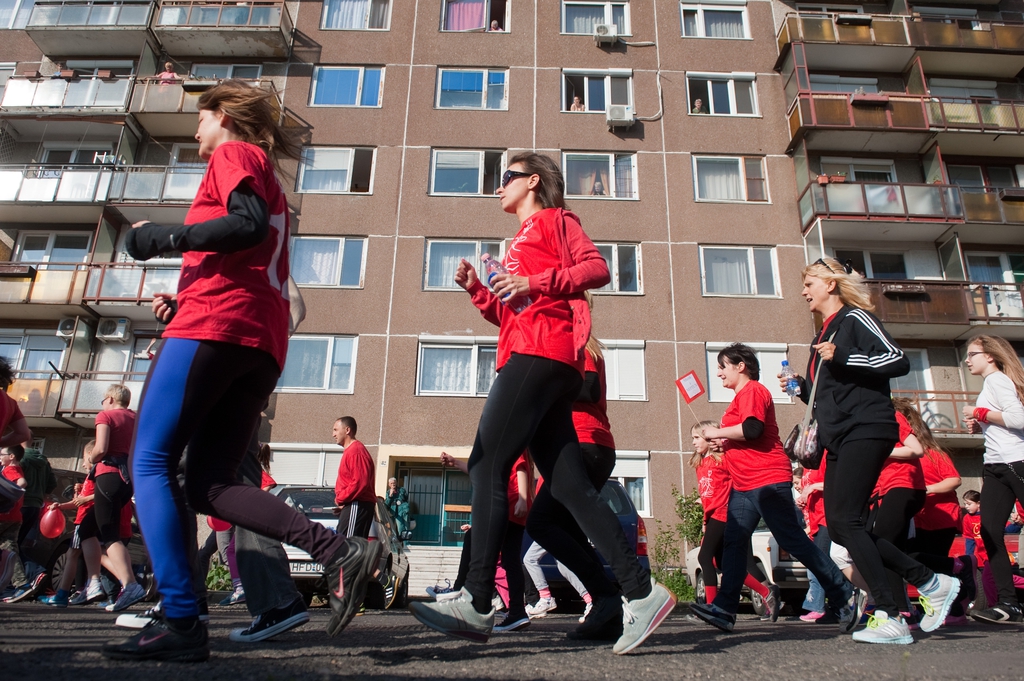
(875, 354)
(523, 482)
(947, 485)
(589, 272)
(911, 449)
(1004, 394)
(102, 442)
(19, 433)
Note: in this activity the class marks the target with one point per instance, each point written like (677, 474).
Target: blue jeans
(815, 600)
(775, 504)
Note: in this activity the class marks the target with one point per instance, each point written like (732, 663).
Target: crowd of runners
(874, 471)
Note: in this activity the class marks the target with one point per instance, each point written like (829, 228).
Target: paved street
(40, 643)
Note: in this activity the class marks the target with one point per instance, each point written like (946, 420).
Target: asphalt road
(37, 642)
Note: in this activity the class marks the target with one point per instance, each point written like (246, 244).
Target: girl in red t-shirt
(544, 325)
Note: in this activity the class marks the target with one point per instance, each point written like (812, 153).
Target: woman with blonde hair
(998, 414)
(853, 359)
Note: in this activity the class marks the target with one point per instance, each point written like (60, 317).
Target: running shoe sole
(195, 655)
(656, 621)
(133, 621)
(978, 615)
(296, 620)
(471, 636)
(723, 625)
(365, 569)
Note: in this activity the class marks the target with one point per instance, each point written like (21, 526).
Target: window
(474, 15)
(731, 95)
(860, 169)
(592, 91)
(963, 90)
(742, 271)
(624, 264)
(631, 470)
(581, 17)
(476, 173)
(456, 366)
(443, 257)
(33, 354)
(80, 154)
(328, 261)
(769, 356)
(611, 176)
(53, 247)
(876, 265)
(827, 83)
(6, 71)
(919, 378)
(222, 71)
(319, 363)
(15, 13)
(356, 15)
(721, 178)
(335, 170)
(472, 89)
(714, 21)
(624, 370)
(347, 86)
(967, 176)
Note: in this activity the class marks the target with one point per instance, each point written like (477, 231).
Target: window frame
(612, 156)
(869, 266)
(231, 70)
(314, 83)
(730, 78)
(329, 360)
(739, 6)
(865, 165)
(19, 10)
(614, 270)
(768, 380)
(588, 74)
(482, 170)
(631, 459)
(751, 264)
(23, 336)
(387, 21)
(489, 14)
(626, 30)
(19, 244)
(741, 162)
(475, 343)
(301, 170)
(478, 243)
(441, 70)
(611, 362)
(342, 240)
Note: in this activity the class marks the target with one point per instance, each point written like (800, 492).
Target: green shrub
(676, 582)
(691, 516)
(218, 578)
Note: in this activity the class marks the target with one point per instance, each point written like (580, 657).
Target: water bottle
(792, 383)
(492, 268)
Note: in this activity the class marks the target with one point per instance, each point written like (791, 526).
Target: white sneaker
(937, 601)
(586, 611)
(542, 607)
(884, 629)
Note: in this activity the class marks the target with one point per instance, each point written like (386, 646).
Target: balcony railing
(888, 201)
(36, 392)
(45, 394)
(227, 14)
(86, 283)
(99, 183)
(156, 184)
(942, 410)
(129, 283)
(155, 95)
(91, 14)
(43, 283)
(50, 94)
(947, 302)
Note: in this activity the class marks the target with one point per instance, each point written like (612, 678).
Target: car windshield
(615, 497)
(315, 503)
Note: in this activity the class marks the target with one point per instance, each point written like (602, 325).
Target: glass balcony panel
(923, 201)
(954, 205)
(998, 115)
(173, 16)
(160, 97)
(182, 183)
(74, 15)
(977, 39)
(49, 92)
(870, 117)
(112, 93)
(907, 113)
(79, 92)
(818, 29)
(845, 198)
(1013, 211)
(960, 113)
(818, 195)
(143, 185)
(1000, 302)
(133, 15)
(1009, 37)
(856, 35)
(53, 286)
(14, 290)
(831, 111)
(204, 16)
(44, 15)
(807, 207)
(78, 185)
(265, 16)
(889, 32)
(18, 92)
(234, 16)
(121, 282)
(36, 396)
(10, 183)
(160, 281)
(39, 188)
(104, 15)
(981, 207)
(884, 199)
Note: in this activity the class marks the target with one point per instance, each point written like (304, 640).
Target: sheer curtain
(341, 364)
(486, 362)
(586, 176)
(446, 370)
(325, 170)
(624, 177)
(718, 24)
(307, 360)
(465, 15)
(726, 270)
(315, 261)
(346, 14)
(583, 18)
(719, 179)
(444, 260)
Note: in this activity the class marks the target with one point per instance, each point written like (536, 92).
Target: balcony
(51, 399)
(942, 410)
(91, 28)
(226, 28)
(38, 95)
(111, 284)
(890, 202)
(950, 309)
(170, 109)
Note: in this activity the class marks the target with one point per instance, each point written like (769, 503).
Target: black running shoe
(162, 641)
(272, 623)
(605, 616)
(346, 577)
(1000, 613)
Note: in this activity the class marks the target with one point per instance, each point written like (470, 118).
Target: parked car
(391, 586)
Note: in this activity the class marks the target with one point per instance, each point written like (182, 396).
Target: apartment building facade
(702, 145)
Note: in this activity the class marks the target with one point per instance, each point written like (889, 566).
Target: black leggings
(1002, 485)
(552, 526)
(112, 493)
(890, 520)
(710, 554)
(511, 562)
(849, 481)
(530, 405)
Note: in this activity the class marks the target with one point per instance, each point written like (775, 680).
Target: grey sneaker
(455, 617)
(937, 601)
(641, 616)
(347, 577)
(130, 595)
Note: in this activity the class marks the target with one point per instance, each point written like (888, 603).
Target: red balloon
(217, 525)
(51, 522)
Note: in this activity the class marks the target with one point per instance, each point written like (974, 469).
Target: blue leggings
(207, 395)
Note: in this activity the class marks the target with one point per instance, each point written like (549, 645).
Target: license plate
(306, 567)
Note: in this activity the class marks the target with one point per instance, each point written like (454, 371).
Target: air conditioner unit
(620, 116)
(606, 34)
(113, 329)
(66, 328)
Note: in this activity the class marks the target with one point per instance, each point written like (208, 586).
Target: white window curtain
(718, 24)
(444, 260)
(307, 360)
(586, 175)
(624, 177)
(446, 370)
(727, 270)
(465, 15)
(315, 261)
(719, 179)
(343, 14)
(325, 170)
(583, 18)
(486, 361)
(341, 364)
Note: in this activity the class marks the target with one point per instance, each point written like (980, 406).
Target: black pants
(1002, 485)
(890, 520)
(112, 493)
(710, 555)
(29, 522)
(356, 518)
(553, 527)
(849, 481)
(512, 562)
(530, 405)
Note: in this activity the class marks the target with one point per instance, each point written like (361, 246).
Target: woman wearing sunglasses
(550, 262)
(853, 358)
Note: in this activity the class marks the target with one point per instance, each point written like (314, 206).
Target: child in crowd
(971, 527)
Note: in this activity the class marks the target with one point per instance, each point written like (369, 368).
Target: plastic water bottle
(492, 268)
(792, 384)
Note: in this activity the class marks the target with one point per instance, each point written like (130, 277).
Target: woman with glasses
(540, 362)
(1000, 416)
(853, 359)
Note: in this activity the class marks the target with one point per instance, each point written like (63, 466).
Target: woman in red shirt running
(544, 325)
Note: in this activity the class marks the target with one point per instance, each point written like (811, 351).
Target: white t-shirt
(1002, 444)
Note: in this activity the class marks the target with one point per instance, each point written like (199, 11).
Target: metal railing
(890, 200)
(47, 394)
(128, 282)
(29, 92)
(87, 283)
(45, 283)
(155, 95)
(226, 14)
(947, 302)
(99, 183)
(156, 184)
(942, 410)
(36, 392)
(90, 13)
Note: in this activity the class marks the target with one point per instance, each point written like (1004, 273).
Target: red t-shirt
(760, 462)
(125, 528)
(591, 418)
(513, 490)
(122, 428)
(941, 511)
(355, 475)
(814, 510)
(239, 298)
(900, 473)
(88, 487)
(13, 473)
(971, 529)
(9, 411)
(714, 485)
(266, 481)
(545, 327)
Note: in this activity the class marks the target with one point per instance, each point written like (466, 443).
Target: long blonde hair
(256, 114)
(696, 429)
(1005, 357)
(905, 406)
(852, 289)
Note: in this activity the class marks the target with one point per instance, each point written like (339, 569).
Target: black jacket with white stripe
(853, 401)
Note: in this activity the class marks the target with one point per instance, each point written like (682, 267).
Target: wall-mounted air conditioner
(620, 116)
(606, 34)
(66, 328)
(113, 329)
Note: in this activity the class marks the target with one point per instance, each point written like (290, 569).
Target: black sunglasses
(510, 175)
(848, 267)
